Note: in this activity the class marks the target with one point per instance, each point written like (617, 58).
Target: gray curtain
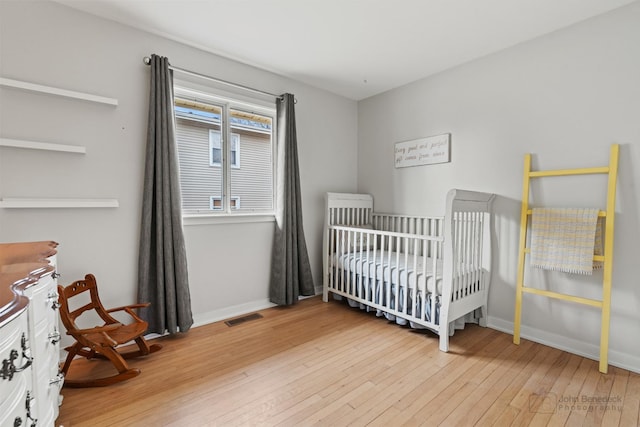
(162, 264)
(290, 268)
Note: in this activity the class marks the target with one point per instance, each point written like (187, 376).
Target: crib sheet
(391, 266)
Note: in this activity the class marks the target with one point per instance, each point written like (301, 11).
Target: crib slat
(418, 273)
(405, 268)
(434, 297)
(330, 272)
(476, 245)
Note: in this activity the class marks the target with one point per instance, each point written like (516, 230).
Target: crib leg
(325, 294)
(482, 321)
(444, 339)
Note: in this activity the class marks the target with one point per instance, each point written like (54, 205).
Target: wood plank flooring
(327, 364)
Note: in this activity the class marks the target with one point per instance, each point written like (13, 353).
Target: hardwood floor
(331, 365)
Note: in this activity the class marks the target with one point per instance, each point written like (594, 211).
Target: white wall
(566, 98)
(46, 43)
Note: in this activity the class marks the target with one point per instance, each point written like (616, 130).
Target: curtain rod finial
(146, 60)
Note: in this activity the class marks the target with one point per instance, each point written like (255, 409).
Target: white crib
(428, 272)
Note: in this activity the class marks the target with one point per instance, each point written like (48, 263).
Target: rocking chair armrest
(132, 306)
(129, 310)
(97, 329)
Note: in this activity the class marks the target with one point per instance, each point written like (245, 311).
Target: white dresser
(30, 381)
(16, 380)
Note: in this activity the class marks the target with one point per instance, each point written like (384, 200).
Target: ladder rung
(600, 213)
(564, 172)
(565, 297)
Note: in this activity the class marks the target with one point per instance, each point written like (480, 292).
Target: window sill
(189, 220)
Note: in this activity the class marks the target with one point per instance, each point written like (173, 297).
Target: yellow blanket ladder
(607, 258)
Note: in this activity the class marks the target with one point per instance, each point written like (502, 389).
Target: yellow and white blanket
(564, 239)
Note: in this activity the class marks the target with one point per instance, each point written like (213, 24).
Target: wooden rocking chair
(101, 341)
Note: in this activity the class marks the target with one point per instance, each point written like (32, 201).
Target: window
(216, 149)
(226, 154)
(216, 203)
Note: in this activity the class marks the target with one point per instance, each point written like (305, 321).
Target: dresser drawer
(43, 298)
(15, 370)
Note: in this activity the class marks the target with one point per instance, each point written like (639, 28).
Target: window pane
(216, 203)
(199, 181)
(252, 181)
(216, 156)
(216, 148)
(235, 150)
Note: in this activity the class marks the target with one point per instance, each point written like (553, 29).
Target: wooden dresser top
(21, 264)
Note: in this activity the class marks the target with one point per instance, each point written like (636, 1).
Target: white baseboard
(226, 313)
(234, 311)
(229, 312)
(621, 360)
(210, 317)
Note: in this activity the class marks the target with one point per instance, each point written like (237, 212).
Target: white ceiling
(355, 48)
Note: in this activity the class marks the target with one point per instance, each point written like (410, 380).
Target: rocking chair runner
(101, 341)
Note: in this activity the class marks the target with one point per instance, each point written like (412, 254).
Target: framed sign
(423, 151)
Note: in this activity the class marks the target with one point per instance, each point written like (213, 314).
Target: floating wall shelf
(57, 91)
(19, 203)
(35, 145)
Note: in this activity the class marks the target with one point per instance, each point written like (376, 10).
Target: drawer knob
(52, 297)
(54, 337)
(9, 367)
(57, 380)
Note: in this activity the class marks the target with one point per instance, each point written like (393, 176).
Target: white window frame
(188, 90)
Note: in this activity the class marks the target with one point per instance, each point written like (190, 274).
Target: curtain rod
(147, 61)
